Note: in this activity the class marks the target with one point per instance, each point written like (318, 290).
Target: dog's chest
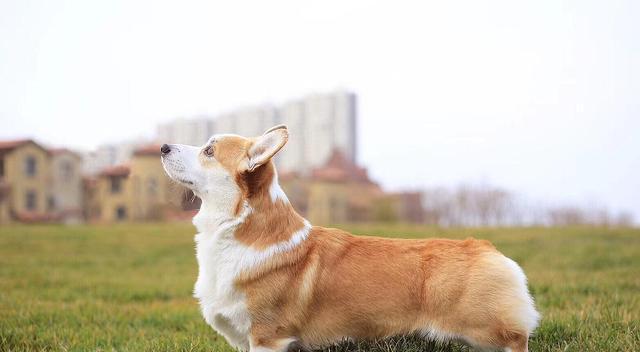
(223, 307)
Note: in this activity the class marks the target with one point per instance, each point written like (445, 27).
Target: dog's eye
(208, 151)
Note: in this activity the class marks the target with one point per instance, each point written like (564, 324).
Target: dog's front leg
(263, 339)
(272, 345)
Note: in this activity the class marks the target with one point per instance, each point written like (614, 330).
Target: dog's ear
(266, 146)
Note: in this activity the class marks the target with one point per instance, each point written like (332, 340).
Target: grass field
(128, 288)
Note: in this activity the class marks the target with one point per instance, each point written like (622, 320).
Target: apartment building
(151, 187)
(26, 181)
(252, 121)
(329, 124)
(111, 195)
(193, 131)
(111, 154)
(319, 124)
(341, 191)
(66, 185)
(136, 191)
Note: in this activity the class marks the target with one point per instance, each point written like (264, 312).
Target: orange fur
(335, 285)
(339, 285)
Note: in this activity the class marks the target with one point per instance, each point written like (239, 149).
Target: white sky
(541, 97)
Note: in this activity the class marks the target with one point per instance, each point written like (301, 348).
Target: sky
(540, 97)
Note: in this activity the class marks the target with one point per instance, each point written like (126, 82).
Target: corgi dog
(269, 280)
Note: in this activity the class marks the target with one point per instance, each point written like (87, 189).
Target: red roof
(149, 150)
(9, 145)
(89, 181)
(117, 170)
(339, 169)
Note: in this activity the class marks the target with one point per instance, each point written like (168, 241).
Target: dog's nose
(165, 149)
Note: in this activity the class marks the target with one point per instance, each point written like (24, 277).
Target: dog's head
(228, 169)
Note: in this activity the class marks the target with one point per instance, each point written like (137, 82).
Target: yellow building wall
(149, 187)
(4, 211)
(145, 193)
(328, 203)
(21, 183)
(110, 201)
(341, 202)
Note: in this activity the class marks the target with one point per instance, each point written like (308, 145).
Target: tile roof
(117, 170)
(13, 144)
(7, 146)
(339, 169)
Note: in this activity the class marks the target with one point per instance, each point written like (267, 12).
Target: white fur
(276, 191)
(213, 185)
(223, 307)
(527, 313)
(221, 258)
(218, 136)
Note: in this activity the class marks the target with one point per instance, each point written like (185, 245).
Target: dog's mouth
(171, 168)
(184, 181)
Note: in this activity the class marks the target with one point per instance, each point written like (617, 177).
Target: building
(253, 121)
(292, 158)
(337, 192)
(25, 179)
(5, 214)
(91, 210)
(341, 191)
(136, 191)
(112, 195)
(97, 160)
(150, 185)
(66, 182)
(108, 155)
(409, 207)
(195, 131)
(329, 122)
(318, 124)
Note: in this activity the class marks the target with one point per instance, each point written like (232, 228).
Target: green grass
(128, 288)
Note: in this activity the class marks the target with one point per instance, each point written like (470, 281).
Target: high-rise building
(107, 155)
(192, 131)
(319, 125)
(253, 121)
(292, 157)
(329, 125)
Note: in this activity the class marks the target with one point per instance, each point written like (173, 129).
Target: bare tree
(485, 205)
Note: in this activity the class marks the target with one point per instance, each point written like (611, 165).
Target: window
(121, 213)
(1, 167)
(51, 203)
(116, 184)
(30, 166)
(66, 170)
(31, 200)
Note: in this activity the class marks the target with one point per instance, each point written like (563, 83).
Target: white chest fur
(221, 258)
(223, 307)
